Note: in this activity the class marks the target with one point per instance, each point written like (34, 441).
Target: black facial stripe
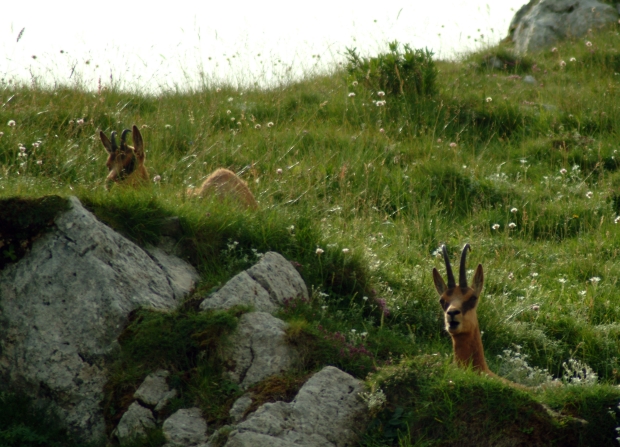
(128, 169)
(470, 303)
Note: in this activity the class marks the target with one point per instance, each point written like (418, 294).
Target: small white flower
(588, 44)
(39, 162)
(562, 64)
(589, 194)
(512, 225)
(157, 179)
(345, 250)
(513, 210)
(365, 298)
(269, 124)
(230, 99)
(351, 95)
(257, 126)
(572, 59)
(218, 90)
(534, 274)
(36, 144)
(495, 227)
(353, 330)
(228, 112)
(382, 130)
(562, 280)
(617, 219)
(80, 121)
(595, 279)
(438, 140)
(380, 94)
(354, 83)
(563, 171)
(453, 145)
(535, 307)
(233, 118)
(511, 276)
(1, 133)
(554, 50)
(11, 123)
(489, 99)
(380, 103)
(168, 126)
(582, 293)
(279, 171)
(320, 251)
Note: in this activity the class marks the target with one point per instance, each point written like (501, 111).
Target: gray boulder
(63, 306)
(265, 286)
(542, 23)
(326, 412)
(154, 390)
(186, 427)
(259, 349)
(134, 423)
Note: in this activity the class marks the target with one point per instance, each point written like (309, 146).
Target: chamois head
(459, 301)
(125, 163)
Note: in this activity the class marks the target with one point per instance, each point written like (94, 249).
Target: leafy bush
(409, 73)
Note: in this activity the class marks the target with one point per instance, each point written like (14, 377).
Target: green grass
(378, 189)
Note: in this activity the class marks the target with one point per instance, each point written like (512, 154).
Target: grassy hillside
(524, 169)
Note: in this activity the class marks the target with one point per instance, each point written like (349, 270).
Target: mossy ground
(527, 173)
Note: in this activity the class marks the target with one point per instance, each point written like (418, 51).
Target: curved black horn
(124, 136)
(451, 283)
(462, 268)
(113, 140)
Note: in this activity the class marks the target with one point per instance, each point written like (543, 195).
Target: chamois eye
(443, 303)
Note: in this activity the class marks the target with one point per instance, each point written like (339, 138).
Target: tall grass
(526, 172)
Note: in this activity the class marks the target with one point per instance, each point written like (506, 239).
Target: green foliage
(409, 73)
(25, 423)
(22, 221)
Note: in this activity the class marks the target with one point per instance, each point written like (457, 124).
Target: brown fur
(225, 185)
(125, 163)
(461, 321)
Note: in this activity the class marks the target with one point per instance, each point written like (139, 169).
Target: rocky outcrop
(265, 286)
(64, 304)
(185, 428)
(259, 349)
(542, 23)
(134, 423)
(326, 412)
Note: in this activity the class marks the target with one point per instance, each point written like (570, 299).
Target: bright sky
(140, 45)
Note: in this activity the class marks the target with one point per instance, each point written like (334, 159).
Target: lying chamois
(459, 305)
(126, 164)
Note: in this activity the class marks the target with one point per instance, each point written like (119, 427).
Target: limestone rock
(63, 306)
(279, 278)
(259, 349)
(240, 290)
(186, 427)
(264, 286)
(154, 389)
(134, 423)
(542, 23)
(239, 408)
(326, 412)
(181, 275)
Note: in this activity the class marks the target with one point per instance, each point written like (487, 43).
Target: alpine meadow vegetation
(360, 176)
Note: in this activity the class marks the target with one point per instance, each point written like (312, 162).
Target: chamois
(459, 305)
(225, 184)
(126, 165)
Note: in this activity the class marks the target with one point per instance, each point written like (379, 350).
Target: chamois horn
(451, 282)
(113, 140)
(124, 136)
(462, 268)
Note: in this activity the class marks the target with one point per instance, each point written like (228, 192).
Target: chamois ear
(106, 142)
(440, 285)
(478, 281)
(138, 143)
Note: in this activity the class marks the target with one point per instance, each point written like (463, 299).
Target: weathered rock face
(64, 304)
(264, 286)
(259, 349)
(542, 23)
(326, 412)
(186, 427)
